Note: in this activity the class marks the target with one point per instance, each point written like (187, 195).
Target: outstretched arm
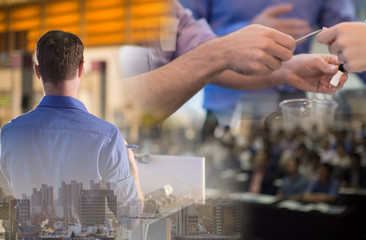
(153, 96)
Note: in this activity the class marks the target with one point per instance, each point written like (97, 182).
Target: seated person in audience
(310, 168)
(326, 152)
(361, 149)
(354, 176)
(300, 153)
(341, 158)
(340, 161)
(325, 188)
(294, 184)
(261, 179)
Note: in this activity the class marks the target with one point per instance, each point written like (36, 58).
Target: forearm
(139, 190)
(230, 79)
(151, 97)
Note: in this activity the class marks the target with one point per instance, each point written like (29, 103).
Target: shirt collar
(61, 102)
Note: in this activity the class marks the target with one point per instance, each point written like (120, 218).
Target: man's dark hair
(58, 56)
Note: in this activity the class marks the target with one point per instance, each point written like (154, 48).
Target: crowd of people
(307, 166)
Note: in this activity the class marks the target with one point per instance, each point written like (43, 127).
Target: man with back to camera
(59, 140)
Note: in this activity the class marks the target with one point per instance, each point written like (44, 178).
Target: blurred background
(105, 27)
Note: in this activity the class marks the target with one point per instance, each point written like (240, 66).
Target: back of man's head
(58, 55)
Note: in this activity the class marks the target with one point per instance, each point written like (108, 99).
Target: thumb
(328, 68)
(278, 10)
(328, 64)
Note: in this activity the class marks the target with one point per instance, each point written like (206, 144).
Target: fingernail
(333, 67)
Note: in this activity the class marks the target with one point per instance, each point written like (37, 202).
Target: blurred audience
(294, 184)
(324, 188)
(341, 160)
(255, 161)
(310, 168)
(326, 152)
(354, 176)
(261, 178)
(361, 149)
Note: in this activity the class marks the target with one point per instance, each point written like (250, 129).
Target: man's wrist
(217, 55)
(279, 77)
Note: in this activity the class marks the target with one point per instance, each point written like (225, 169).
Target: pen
(308, 35)
(132, 146)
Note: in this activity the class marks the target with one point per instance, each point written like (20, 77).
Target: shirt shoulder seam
(69, 129)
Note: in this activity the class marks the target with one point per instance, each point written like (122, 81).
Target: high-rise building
(190, 221)
(23, 211)
(8, 216)
(99, 185)
(13, 216)
(64, 195)
(47, 199)
(43, 199)
(76, 189)
(69, 195)
(97, 205)
(4, 210)
(226, 217)
(24, 196)
(205, 211)
(36, 198)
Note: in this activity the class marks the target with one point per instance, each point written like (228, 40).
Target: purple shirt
(190, 34)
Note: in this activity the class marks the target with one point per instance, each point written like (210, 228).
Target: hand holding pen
(348, 42)
(341, 71)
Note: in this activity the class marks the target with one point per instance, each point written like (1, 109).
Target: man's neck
(68, 88)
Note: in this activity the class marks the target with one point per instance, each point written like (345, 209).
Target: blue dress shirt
(60, 141)
(331, 188)
(292, 187)
(230, 15)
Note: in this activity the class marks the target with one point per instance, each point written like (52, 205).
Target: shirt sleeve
(114, 169)
(4, 175)
(191, 32)
(199, 8)
(337, 11)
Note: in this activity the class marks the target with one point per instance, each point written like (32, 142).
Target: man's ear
(81, 69)
(36, 70)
